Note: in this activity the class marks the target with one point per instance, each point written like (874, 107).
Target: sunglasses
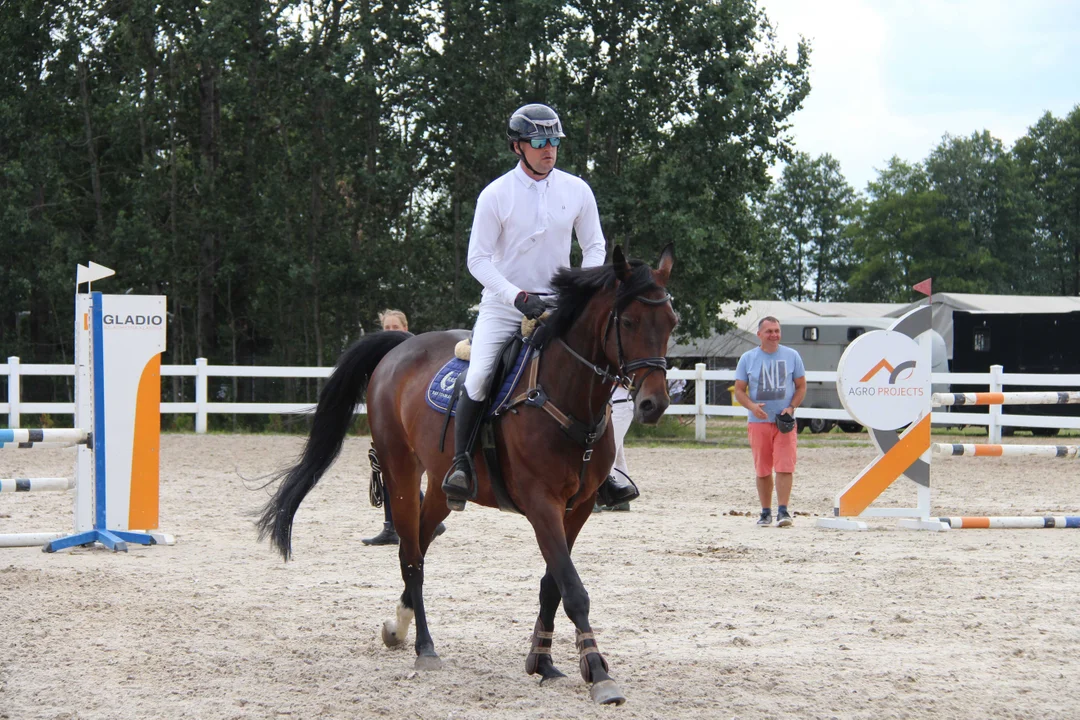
(542, 141)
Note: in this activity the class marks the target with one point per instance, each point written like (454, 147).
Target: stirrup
(459, 485)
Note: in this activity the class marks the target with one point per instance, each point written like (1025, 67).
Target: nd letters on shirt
(770, 378)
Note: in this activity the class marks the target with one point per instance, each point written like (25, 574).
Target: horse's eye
(627, 323)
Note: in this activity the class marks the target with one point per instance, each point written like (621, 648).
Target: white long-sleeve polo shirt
(522, 228)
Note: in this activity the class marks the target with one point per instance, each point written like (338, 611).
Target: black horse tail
(329, 426)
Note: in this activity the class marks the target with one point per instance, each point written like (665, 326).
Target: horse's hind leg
(404, 472)
(555, 543)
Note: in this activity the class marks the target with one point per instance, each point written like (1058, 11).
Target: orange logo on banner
(893, 372)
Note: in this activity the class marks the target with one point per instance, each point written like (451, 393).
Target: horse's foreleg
(555, 546)
(539, 658)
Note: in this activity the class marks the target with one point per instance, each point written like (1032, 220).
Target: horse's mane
(575, 287)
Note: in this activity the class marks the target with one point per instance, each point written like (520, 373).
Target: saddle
(510, 367)
(449, 382)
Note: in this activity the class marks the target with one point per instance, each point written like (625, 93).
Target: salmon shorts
(772, 449)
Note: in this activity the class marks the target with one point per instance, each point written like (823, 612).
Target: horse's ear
(664, 265)
(618, 262)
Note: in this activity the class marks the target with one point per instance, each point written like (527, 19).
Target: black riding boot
(388, 536)
(460, 482)
(616, 490)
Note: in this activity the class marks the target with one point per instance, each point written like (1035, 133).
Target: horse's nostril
(647, 406)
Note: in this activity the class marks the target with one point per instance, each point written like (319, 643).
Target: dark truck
(1042, 343)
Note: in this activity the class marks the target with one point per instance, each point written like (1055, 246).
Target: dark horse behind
(610, 324)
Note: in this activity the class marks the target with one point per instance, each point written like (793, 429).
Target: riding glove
(531, 306)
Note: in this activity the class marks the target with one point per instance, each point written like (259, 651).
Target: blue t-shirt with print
(770, 378)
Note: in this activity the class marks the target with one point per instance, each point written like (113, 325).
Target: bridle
(623, 375)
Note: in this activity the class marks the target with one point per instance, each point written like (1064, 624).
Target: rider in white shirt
(521, 236)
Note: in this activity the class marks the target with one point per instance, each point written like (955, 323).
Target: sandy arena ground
(700, 613)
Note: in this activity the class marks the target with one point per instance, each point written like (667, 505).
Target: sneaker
(783, 519)
(765, 520)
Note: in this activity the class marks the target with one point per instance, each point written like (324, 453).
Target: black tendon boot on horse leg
(460, 482)
(539, 658)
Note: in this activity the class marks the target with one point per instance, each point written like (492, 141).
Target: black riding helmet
(533, 121)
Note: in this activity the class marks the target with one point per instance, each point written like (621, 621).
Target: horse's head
(638, 329)
(622, 318)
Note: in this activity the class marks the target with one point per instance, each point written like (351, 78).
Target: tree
(1050, 156)
(992, 242)
(282, 170)
(809, 210)
(896, 236)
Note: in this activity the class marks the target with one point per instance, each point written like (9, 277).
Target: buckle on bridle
(587, 456)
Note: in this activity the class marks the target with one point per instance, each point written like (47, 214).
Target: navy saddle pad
(441, 390)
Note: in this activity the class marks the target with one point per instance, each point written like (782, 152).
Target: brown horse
(610, 324)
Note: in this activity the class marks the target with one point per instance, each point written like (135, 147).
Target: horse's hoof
(606, 692)
(455, 504)
(428, 662)
(389, 636)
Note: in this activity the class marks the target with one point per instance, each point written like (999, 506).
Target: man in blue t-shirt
(770, 381)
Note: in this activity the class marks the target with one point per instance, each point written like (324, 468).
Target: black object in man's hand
(531, 306)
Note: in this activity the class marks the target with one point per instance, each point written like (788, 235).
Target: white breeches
(622, 413)
(495, 323)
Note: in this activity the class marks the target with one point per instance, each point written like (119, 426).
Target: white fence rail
(202, 408)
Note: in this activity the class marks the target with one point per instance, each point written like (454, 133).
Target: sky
(892, 77)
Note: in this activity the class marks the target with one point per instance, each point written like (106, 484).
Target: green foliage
(1049, 156)
(808, 255)
(283, 170)
(967, 216)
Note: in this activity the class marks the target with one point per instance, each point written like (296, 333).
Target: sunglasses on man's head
(542, 141)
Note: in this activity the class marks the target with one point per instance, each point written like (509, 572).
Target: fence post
(699, 401)
(200, 395)
(13, 392)
(993, 429)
